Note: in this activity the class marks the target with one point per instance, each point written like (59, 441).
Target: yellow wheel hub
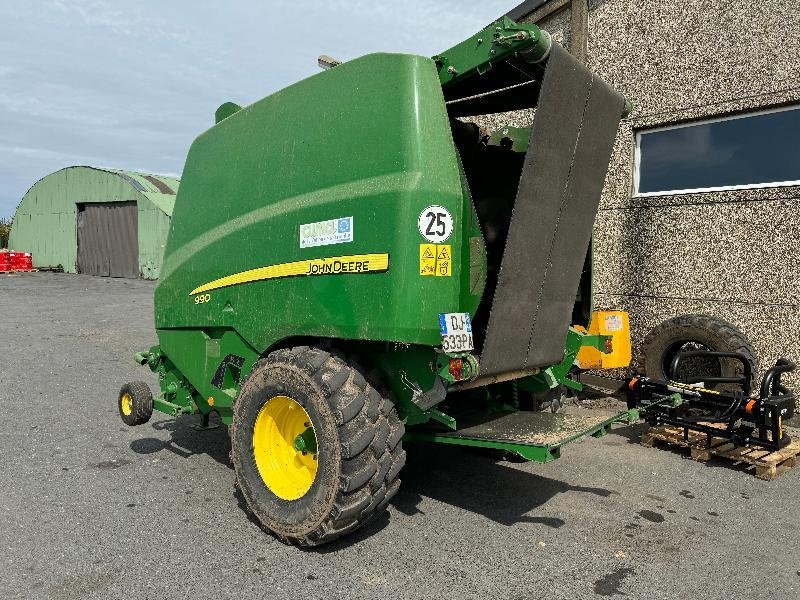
(126, 403)
(284, 446)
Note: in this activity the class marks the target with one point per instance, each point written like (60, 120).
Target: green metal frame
(533, 452)
(556, 375)
(477, 54)
(177, 396)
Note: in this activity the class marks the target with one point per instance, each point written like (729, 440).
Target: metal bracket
(432, 397)
(204, 423)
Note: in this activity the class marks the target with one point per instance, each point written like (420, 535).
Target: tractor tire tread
(731, 337)
(347, 403)
(142, 399)
(369, 433)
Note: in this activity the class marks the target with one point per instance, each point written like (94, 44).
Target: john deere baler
(353, 263)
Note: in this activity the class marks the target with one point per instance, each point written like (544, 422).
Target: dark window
(754, 150)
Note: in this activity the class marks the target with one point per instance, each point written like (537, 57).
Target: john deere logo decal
(334, 265)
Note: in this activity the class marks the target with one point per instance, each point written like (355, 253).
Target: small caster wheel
(135, 403)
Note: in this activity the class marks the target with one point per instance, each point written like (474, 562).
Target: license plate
(456, 332)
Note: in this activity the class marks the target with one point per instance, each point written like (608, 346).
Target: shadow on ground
(186, 441)
(471, 480)
(480, 484)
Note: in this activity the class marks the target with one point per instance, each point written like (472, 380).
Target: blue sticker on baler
(443, 323)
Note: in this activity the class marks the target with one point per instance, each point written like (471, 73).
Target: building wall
(45, 221)
(153, 230)
(732, 254)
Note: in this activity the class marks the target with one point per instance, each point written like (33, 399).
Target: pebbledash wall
(734, 254)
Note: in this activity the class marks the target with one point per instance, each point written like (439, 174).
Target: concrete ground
(90, 508)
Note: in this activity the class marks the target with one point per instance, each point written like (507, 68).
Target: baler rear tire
(358, 438)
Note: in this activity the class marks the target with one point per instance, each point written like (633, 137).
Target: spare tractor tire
(696, 332)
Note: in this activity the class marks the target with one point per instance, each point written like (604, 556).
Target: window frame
(637, 157)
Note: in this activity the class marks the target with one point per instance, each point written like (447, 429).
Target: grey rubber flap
(573, 134)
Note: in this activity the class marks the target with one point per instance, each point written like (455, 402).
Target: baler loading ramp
(536, 436)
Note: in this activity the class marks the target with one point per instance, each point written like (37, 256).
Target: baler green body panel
(298, 223)
(368, 140)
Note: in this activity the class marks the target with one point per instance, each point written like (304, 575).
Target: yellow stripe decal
(333, 265)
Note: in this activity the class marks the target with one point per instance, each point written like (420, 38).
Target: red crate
(20, 261)
(5, 260)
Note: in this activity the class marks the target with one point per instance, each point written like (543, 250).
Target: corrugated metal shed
(45, 222)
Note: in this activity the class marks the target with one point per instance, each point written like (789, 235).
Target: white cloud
(128, 19)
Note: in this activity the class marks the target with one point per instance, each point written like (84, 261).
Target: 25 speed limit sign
(435, 224)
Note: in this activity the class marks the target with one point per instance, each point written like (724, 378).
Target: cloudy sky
(130, 84)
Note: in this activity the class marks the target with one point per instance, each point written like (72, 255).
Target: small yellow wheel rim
(126, 403)
(284, 446)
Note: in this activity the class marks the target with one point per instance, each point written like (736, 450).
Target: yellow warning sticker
(443, 260)
(436, 260)
(427, 259)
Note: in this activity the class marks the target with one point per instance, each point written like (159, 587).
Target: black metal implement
(745, 380)
(732, 414)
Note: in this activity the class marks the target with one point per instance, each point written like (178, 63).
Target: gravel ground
(93, 509)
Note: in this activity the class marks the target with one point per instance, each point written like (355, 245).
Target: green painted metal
(533, 452)
(176, 396)
(559, 374)
(440, 417)
(45, 220)
(194, 367)
(380, 171)
(170, 408)
(306, 441)
(225, 110)
(478, 53)
(541, 454)
(517, 137)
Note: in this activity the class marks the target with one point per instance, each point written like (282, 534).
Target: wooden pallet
(19, 271)
(768, 464)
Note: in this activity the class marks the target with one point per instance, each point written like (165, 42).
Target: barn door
(108, 241)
